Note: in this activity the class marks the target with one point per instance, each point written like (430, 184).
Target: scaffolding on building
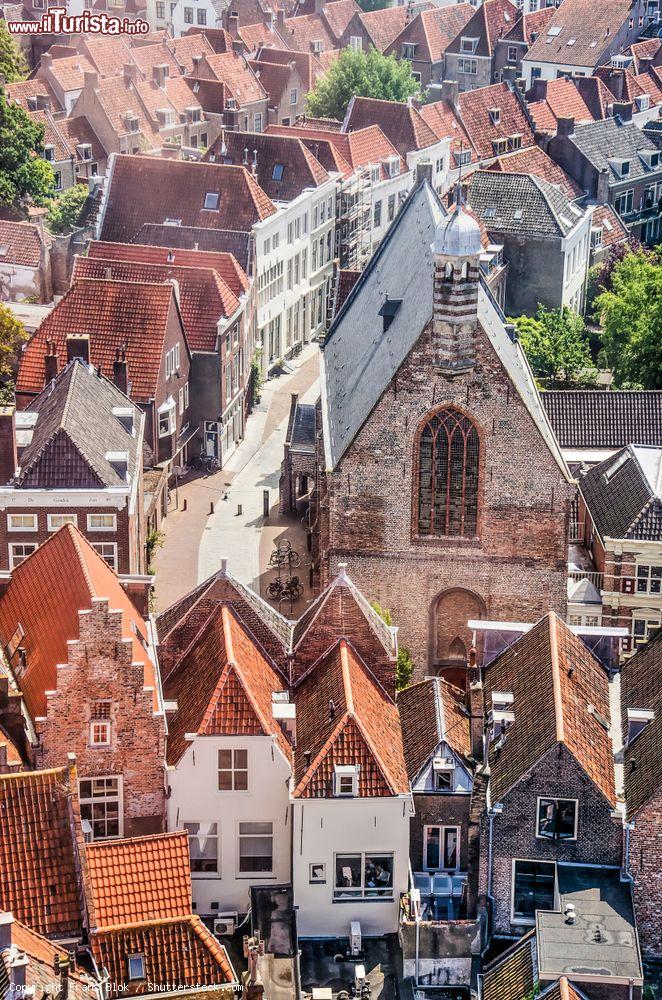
(353, 231)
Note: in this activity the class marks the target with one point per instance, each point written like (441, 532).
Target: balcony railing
(592, 576)
(576, 531)
(641, 214)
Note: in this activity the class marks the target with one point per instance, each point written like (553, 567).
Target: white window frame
(651, 619)
(233, 770)
(16, 545)
(346, 781)
(362, 893)
(294, 97)
(529, 921)
(167, 411)
(209, 836)
(68, 519)
(104, 798)
(97, 545)
(442, 845)
(257, 121)
(649, 567)
(240, 836)
(557, 799)
(96, 527)
(103, 726)
(12, 527)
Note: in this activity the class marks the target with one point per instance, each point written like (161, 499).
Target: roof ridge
(556, 677)
(321, 754)
(101, 844)
(346, 679)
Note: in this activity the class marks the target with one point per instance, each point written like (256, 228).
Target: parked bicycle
(290, 590)
(209, 463)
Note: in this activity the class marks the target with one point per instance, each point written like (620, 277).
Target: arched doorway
(450, 637)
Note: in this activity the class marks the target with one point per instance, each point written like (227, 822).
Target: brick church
(438, 478)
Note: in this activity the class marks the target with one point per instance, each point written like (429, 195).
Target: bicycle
(291, 590)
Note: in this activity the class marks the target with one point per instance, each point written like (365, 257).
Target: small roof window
(277, 174)
(211, 201)
(389, 310)
(135, 965)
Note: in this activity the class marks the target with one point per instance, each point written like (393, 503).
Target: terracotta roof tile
(644, 51)
(432, 31)
(555, 709)
(577, 20)
(149, 189)
(431, 711)
(613, 231)
(384, 25)
(299, 168)
(140, 879)
(301, 32)
(79, 130)
(108, 53)
(303, 61)
(117, 96)
(146, 57)
(346, 281)
(23, 90)
(444, 121)
(188, 46)
(235, 72)
(474, 110)
(68, 72)
(180, 951)
(115, 314)
(534, 160)
(38, 880)
(53, 135)
(48, 611)
(274, 77)
(527, 25)
(562, 100)
(42, 955)
(402, 124)
(491, 21)
(263, 34)
(338, 15)
(20, 244)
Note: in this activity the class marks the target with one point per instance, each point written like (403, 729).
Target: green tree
(556, 344)
(370, 5)
(13, 64)
(24, 176)
(631, 317)
(404, 669)
(12, 337)
(64, 210)
(366, 74)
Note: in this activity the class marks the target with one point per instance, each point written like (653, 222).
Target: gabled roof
(146, 189)
(263, 33)
(402, 124)
(577, 21)
(237, 75)
(139, 879)
(184, 50)
(20, 244)
(529, 24)
(21, 92)
(432, 31)
(610, 139)
(513, 974)
(116, 315)
(358, 361)
(562, 100)
(301, 32)
(338, 15)
(641, 687)
(237, 243)
(42, 957)
(223, 685)
(115, 95)
(491, 21)
(69, 72)
(644, 51)
(444, 120)
(344, 152)
(48, 610)
(108, 53)
(535, 161)
(54, 136)
(75, 431)
(594, 419)
(554, 710)
(303, 61)
(204, 298)
(345, 717)
(38, 862)
(482, 128)
(299, 169)
(624, 494)
(613, 230)
(77, 131)
(275, 77)
(521, 204)
(146, 57)
(432, 711)
(384, 25)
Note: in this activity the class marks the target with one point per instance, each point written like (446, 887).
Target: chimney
(121, 371)
(90, 80)
(50, 362)
(160, 74)
(539, 90)
(233, 24)
(477, 724)
(280, 20)
(130, 73)
(449, 91)
(196, 60)
(622, 110)
(602, 187)
(8, 456)
(6, 921)
(565, 126)
(238, 46)
(78, 346)
(424, 172)
(46, 61)
(17, 967)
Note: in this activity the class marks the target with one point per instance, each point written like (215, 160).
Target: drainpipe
(496, 810)
(629, 827)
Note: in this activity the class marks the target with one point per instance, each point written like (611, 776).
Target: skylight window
(518, 215)
(136, 966)
(211, 201)
(490, 212)
(615, 467)
(571, 41)
(278, 171)
(554, 31)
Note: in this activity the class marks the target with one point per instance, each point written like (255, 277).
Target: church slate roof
(593, 419)
(359, 359)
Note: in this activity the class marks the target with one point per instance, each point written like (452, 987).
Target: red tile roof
(235, 72)
(21, 91)
(613, 230)
(204, 298)
(433, 30)
(432, 711)
(301, 32)
(53, 135)
(68, 72)
(115, 314)
(474, 110)
(185, 48)
(300, 169)
(146, 57)
(140, 879)
(47, 610)
(534, 160)
(644, 51)
(274, 77)
(555, 709)
(180, 951)
(444, 121)
(223, 685)
(108, 53)
(262, 33)
(43, 955)
(79, 130)
(303, 61)
(38, 868)
(384, 25)
(491, 21)
(527, 25)
(20, 244)
(345, 717)
(116, 97)
(591, 34)
(223, 263)
(402, 124)
(149, 189)
(562, 100)
(338, 15)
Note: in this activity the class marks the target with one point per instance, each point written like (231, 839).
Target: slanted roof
(147, 189)
(358, 361)
(38, 864)
(384, 25)
(613, 231)
(529, 24)
(303, 61)
(301, 32)
(285, 167)
(116, 315)
(338, 15)
(521, 204)
(562, 100)
(68, 72)
(186, 48)
(224, 241)
(641, 687)
(474, 108)
(535, 161)
(402, 124)
(75, 431)
(432, 31)
(22, 91)
(513, 974)
(594, 419)
(624, 494)
(234, 71)
(345, 717)
(48, 610)
(42, 957)
(140, 879)
(20, 244)
(605, 141)
(577, 21)
(225, 264)
(554, 710)
(108, 53)
(444, 120)
(491, 21)
(432, 711)
(223, 686)
(301, 429)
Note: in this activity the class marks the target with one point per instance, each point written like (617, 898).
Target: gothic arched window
(448, 456)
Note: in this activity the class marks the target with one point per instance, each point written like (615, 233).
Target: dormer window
(125, 415)
(638, 720)
(408, 50)
(621, 167)
(49, 153)
(393, 166)
(135, 966)
(468, 45)
(557, 819)
(211, 201)
(346, 780)
(442, 774)
(119, 460)
(495, 115)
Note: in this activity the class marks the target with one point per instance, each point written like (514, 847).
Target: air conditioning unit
(225, 924)
(355, 937)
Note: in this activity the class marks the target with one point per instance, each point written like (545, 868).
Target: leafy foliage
(404, 670)
(556, 344)
(370, 5)
(368, 74)
(12, 337)
(24, 175)
(13, 64)
(64, 210)
(630, 312)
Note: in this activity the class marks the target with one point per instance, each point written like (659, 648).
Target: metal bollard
(240, 510)
(185, 504)
(211, 507)
(265, 503)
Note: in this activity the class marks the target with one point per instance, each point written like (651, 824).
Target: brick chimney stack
(477, 720)
(6, 921)
(121, 371)
(8, 456)
(622, 110)
(78, 346)
(50, 362)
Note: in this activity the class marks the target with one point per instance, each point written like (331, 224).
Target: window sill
(365, 899)
(449, 540)
(523, 921)
(256, 875)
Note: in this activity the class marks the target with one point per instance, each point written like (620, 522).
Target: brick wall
(100, 668)
(599, 838)
(516, 566)
(646, 868)
(444, 810)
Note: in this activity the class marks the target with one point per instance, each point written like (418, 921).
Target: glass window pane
(241, 781)
(241, 758)
(348, 871)
(534, 888)
(225, 781)
(255, 828)
(433, 844)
